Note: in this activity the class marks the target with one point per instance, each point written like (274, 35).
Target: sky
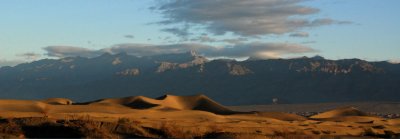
(335, 29)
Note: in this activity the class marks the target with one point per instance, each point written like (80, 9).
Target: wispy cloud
(30, 56)
(299, 34)
(70, 51)
(308, 42)
(235, 40)
(180, 32)
(203, 38)
(129, 36)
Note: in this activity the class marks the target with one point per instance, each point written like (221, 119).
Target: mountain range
(231, 82)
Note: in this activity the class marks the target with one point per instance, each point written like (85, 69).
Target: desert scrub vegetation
(124, 127)
(128, 121)
(294, 134)
(123, 121)
(45, 128)
(213, 127)
(371, 132)
(9, 128)
(171, 129)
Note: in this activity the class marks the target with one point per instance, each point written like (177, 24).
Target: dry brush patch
(81, 128)
(9, 128)
(171, 129)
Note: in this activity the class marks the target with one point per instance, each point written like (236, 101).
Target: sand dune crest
(23, 106)
(58, 101)
(340, 112)
(196, 102)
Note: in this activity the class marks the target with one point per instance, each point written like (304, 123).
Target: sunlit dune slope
(58, 101)
(22, 105)
(118, 105)
(340, 112)
(168, 102)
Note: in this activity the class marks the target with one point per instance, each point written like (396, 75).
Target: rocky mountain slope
(300, 80)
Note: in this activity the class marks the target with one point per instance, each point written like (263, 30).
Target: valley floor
(381, 109)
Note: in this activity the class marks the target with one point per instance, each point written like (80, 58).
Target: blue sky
(367, 29)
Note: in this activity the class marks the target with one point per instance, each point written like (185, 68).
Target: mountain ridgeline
(300, 80)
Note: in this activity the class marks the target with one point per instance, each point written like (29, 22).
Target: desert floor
(179, 117)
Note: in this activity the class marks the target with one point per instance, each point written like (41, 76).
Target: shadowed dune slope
(168, 102)
(340, 112)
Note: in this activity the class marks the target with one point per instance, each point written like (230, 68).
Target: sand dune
(340, 112)
(169, 102)
(22, 106)
(189, 117)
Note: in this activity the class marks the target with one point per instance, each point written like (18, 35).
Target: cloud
(254, 49)
(241, 17)
(320, 22)
(394, 61)
(70, 51)
(344, 22)
(262, 50)
(26, 58)
(30, 56)
(129, 36)
(9, 62)
(299, 34)
(149, 49)
(308, 42)
(203, 38)
(180, 32)
(207, 39)
(235, 41)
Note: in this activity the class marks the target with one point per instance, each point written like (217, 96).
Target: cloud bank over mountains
(70, 51)
(200, 23)
(207, 19)
(240, 50)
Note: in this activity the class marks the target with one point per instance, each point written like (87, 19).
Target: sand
(340, 112)
(200, 116)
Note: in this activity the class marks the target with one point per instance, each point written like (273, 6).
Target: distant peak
(253, 58)
(318, 57)
(106, 54)
(122, 54)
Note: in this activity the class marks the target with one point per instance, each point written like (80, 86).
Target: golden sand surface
(194, 116)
